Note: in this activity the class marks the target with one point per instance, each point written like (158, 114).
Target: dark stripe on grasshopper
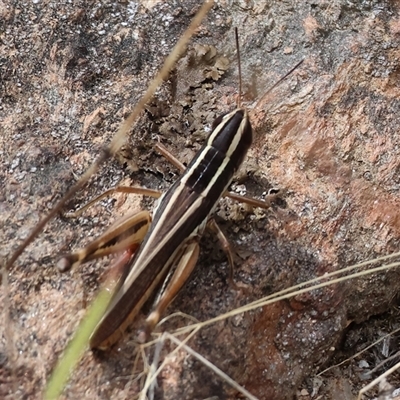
(181, 215)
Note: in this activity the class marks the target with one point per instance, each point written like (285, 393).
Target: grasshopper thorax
(232, 135)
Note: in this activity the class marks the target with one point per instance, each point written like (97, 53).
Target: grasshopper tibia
(181, 274)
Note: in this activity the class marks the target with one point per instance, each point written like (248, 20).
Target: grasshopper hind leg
(127, 233)
(185, 265)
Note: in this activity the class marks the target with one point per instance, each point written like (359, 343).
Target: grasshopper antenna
(280, 80)
(240, 73)
(239, 98)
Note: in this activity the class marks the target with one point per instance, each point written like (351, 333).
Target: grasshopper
(171, 241)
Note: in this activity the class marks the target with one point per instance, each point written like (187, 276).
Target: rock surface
(327, 137)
